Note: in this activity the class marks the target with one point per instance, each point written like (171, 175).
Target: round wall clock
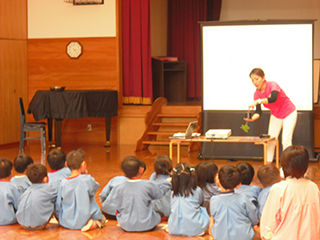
(74, 49)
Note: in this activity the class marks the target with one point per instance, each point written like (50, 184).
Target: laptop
(188, 134)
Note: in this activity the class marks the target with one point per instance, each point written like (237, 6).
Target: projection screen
(231, 50)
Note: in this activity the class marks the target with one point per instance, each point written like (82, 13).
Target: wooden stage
(104, 164)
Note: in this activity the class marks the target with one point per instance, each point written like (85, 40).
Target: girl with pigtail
(188, 217)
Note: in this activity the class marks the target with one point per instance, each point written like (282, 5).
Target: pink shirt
(281, 108)
(292, 210)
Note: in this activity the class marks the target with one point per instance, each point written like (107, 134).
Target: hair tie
(192, 169)
(175, 170)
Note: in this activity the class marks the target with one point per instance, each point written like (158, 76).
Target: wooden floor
(104, 164)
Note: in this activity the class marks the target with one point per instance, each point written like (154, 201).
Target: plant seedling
(245, 127)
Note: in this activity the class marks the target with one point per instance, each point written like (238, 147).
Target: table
(231, 139)
(74, 104)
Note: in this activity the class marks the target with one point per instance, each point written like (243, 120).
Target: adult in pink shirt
(283, 111)
(292, 210)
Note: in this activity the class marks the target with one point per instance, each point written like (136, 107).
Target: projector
(218, 133)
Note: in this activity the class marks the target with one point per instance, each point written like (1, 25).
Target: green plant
(245, 127)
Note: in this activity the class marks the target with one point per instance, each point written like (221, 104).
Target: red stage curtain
(184, 36)
(137, 73)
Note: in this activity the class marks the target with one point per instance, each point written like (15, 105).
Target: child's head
(21, 162)
(294, 161)
(162, 165)
(206, 173)
(5, 168)
(247, 173)
(268, 175)
(184, 179)
(229, 177)
(132, 167)
(37, 173)
(56, 159)
(75, 159)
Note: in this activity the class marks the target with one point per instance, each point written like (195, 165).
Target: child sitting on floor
(20, 164)
(76, 206)
(292, 210)
(36, 204)
(108, 194)
(9, 194)
(162, 167)
(187, 217)
(251, 191)
(133, 198)
(268, 175)
(206, 174)
(233, 213)
(59, 171)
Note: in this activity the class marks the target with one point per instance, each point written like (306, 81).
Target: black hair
(36, 173)
(206, 172)
(131, 166)
(247, 172)
(162, 165)
(21, 162)
(5, 167)
(75, 159)
(257, 71)
(268, 175)
(229, 177)
(294, 161)
(184, 180)
(56, 159)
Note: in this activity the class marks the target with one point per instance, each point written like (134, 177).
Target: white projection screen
(230, 50)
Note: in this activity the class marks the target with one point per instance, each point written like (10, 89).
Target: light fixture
(84, 2)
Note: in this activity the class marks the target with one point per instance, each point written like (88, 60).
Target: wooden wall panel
(13, 19)
(97, 68)
(13, 84)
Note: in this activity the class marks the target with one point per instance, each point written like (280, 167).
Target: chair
(31, 127)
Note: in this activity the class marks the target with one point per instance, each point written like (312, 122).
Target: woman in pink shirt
(283, 111)
(292, 210)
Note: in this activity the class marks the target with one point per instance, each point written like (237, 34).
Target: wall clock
(74, 49)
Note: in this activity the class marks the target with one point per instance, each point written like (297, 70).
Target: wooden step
(162, 124)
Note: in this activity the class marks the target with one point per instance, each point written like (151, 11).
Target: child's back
(56, 160)
(36, 204)
(162, 167)
(187, 217)
(9, 194)
(234, 214)
(20, 164)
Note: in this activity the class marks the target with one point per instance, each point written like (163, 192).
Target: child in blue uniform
(133, 198)
(9, 194)
(251, 191)
(20, 164)
(268, 175)
(76, 207)
(206, 174)
(187, 217)
(162, 167)
(233, 213)
(36, 204)
(108, 194)
(57, 162)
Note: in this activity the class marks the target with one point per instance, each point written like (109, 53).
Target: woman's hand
(255, 117)
(255, 103)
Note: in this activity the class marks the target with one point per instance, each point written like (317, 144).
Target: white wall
(58, 19)
(274, 9)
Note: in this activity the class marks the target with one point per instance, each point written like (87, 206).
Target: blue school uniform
(135, 213)
(76, 204)
(262, 199)
(187, 217)
(9, 196)
(234, 216)
(212, 189)
(108, 195)
(162, 204)
(251, 191)
(21, 183)
(55, 177)
(36, 205)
